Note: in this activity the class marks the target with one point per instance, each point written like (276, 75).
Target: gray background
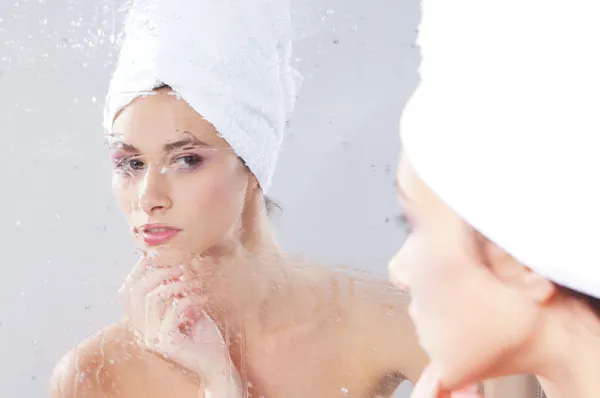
(64, 246)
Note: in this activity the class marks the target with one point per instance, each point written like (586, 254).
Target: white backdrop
(65, 248)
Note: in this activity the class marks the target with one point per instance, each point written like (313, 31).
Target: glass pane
(300, 296)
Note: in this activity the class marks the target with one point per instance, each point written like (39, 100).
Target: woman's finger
(134, 297)
(428, 386)
(155, 279)
(162, 297)
(178, 321)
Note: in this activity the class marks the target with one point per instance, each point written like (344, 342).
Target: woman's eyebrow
(189, 140)
(122, 146)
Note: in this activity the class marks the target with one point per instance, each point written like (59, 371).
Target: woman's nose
(154, 195)
(396, 272)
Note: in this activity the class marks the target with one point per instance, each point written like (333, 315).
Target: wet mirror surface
(296, 298)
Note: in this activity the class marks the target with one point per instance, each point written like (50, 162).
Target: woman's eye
(404, 223)
(129, 165)
(188, 161)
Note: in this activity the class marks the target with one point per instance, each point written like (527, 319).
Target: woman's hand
(429, 386)
(164, 305)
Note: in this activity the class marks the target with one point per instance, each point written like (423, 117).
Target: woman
(498, 180)
(213, 293)
(195, 117)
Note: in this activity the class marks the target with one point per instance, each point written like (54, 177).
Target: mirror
(308, 328)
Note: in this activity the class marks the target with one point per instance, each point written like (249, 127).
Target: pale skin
(538, 329)
(288, 328)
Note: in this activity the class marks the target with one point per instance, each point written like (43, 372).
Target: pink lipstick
(157, 234)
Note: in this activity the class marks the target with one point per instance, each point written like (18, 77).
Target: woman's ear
(516, 275)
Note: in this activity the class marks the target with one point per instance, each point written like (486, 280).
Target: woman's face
(470, 316)
(178, 183)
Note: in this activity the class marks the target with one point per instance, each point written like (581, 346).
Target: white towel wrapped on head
(228, 59)
(505, 127)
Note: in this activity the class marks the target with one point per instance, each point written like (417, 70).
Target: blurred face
(471, 316)
(178, 183)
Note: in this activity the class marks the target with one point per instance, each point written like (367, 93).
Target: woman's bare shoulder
(96, 367)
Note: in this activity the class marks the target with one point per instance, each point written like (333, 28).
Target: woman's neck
(243, 269)
(572, 368)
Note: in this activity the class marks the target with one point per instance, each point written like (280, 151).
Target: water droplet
(344, 390)
(163, 170)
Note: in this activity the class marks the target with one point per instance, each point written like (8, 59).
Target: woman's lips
(155, 235)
